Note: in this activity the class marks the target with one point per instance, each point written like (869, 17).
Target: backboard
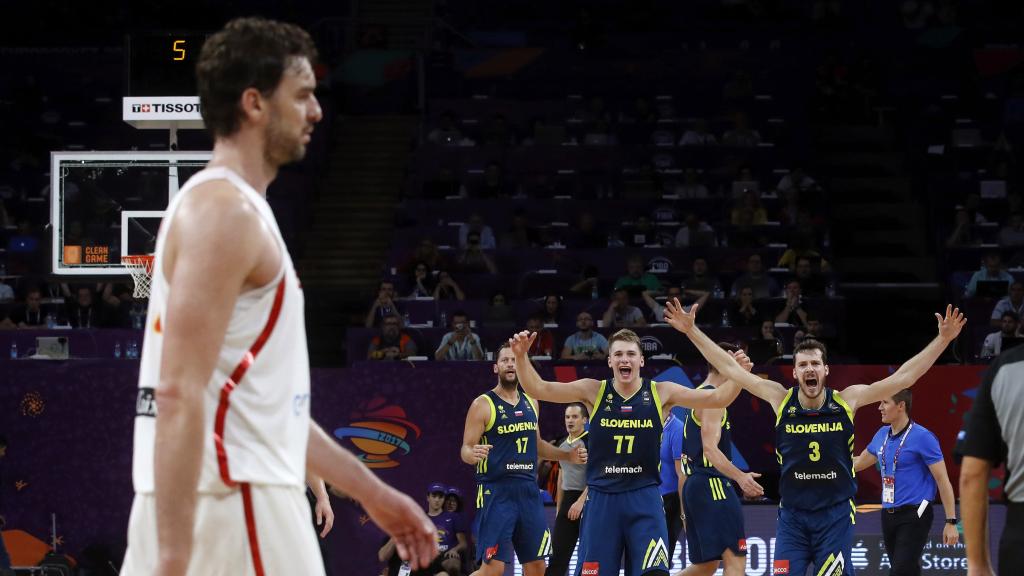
(107, 204)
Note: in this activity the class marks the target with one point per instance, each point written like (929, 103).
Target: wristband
(952, 521)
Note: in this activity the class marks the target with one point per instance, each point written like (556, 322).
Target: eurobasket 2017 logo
(378, 429)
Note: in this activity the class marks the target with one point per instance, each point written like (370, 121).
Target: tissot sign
(162, 112)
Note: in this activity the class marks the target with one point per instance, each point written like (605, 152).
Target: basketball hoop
(140, 266)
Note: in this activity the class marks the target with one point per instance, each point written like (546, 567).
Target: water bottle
(830, 290)
(443, 319)
(117, 349)
(51, 322)
(405, 319)
(718, 293)
(593, 292)
(14, 350)
(133, 350)
(725, 319)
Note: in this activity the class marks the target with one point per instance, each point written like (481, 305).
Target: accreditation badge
(888, 489)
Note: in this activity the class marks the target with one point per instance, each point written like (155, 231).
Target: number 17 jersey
(512, 433)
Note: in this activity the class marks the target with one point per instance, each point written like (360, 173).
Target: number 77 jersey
(625, 439)
(512, 433)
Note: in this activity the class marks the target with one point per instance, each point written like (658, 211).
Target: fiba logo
(650, 345)
(378, 429)
(659, 264)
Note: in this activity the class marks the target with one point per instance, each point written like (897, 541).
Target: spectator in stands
(599, 134)
(446, 132)
(740, 88)
(621, 314)
(972, 203)
(494, 184)
(963, 231)
(460, 343)
(520, 234)
(473, 259)
(6, 292)
(444, 185)
(32, 314)
(793, 311)
(422, 281)
(426, 251)
(452, 541)
(1012, 233)
(497, 132)
(992, 270)
(544, 345)
(587, 236)
(584, 344)
(700, 279)
(691, 186)
(475, 223)
(993, 344)
(1013, 302)
(812, 283)
(588, 285)
(815, 328)
(446, 288)
(763, 285)
(453, 500)
(695, 232)
(551, 311)
(392, 343)
(741, 135)
(84, 312)
(6, 323)
(636, 279)
(748, 210)
(768, 334)
(383, 306)
(499, 314)
(657, 310)
(796, 180)
(642, 233)
(698, 135)
(742, 312)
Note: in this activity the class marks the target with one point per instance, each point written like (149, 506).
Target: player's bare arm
(685, 322)
(479, 414)
(864, 460)
(949, 327)
(215, 214)
(324, 512)
(584, 390)
(974, 475)
(710, 434)
(395, 513)
(674, 395)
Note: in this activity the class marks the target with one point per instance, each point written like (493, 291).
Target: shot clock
(163, 63)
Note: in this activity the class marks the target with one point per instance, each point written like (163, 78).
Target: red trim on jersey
(235, 378)
(250, 526)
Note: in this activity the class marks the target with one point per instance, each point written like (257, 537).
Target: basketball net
(141, 269)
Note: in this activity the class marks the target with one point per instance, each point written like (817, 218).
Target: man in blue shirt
(912, 467)
(671, 451)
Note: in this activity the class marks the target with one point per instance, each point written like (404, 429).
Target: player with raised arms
(624, 513)
(814, 440)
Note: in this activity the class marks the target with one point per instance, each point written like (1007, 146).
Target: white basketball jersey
(257, 399)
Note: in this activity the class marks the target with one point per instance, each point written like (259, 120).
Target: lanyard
(896, 457)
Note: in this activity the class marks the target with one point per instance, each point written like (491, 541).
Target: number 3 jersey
(512, 433)
(625, 439)
(815, 450)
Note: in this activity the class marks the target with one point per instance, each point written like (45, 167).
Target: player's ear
(641, 360)
(494, 367)
(826, 369)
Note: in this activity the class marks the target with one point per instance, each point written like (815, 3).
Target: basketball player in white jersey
(223, 435)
